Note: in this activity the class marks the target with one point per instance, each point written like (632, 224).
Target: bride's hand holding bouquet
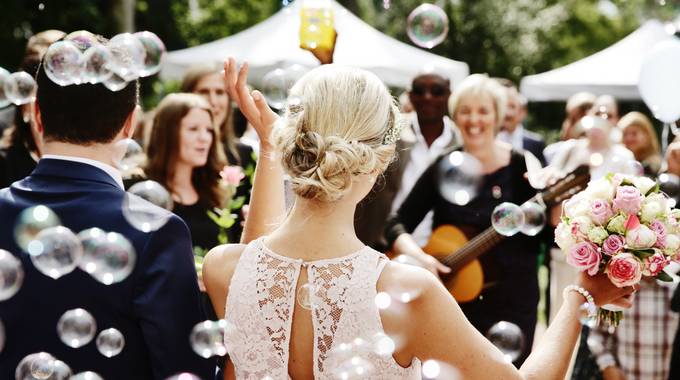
(622, 227)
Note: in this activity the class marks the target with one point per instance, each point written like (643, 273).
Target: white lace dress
(260, 305)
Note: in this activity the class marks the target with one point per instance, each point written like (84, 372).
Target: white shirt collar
(108, 169)
(440, 142)
(514, 138)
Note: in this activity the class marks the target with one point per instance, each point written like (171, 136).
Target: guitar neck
(476, 247)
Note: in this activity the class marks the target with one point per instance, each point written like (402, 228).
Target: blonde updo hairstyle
(334, 130)
(477, 85)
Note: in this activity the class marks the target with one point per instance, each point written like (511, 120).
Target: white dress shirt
(420, 158)
(514, 138)
(108, 169)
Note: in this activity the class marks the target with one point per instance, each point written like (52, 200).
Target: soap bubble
(534, 218)
(4, 77)
(97, 60)
(460, 177)
(30, 222)
(634, 167)
(508, 338)
(184, 376)
(355, 367)
(669, 184)
(110, 342)
(144, 215)
(128, 155)
(115, 82)
(76, 328)
(128, 56)
(383, 300)
(587, 313)
(408, 260)
(11, 275)
(108, 257)
(436, 370)
(64, 63)
(82, 39)
(507, 218)
(383, 345)
(207, 338)
(2, 336)
(153, 192)
(154, 49)
(304, 295)
(55, 252)
(87, 375)
(275, 88)
(41, 365)
(20, 88)
(427, 25)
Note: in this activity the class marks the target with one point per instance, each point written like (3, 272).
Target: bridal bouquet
(622, 226)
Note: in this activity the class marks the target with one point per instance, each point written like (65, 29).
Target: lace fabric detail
(260, 310)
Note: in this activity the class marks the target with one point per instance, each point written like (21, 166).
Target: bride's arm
(438, 329)
(267, 205)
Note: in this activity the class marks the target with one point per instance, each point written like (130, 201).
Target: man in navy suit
(156, 306)
(512, 130)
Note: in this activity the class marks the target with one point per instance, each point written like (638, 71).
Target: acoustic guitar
(451, 246)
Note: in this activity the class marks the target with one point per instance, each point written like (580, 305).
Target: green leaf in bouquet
(643, 253)
(663, 276)
(653, 190)
(626, 182)
(237, 203)
(609, 177)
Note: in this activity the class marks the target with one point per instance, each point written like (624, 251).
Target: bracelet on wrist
(586, 294)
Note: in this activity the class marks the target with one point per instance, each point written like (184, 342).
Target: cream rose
(644, 184)
(640, 237)
(653, 207)
(597, 235)
(563, 236)
(578, 205)
(601, 188)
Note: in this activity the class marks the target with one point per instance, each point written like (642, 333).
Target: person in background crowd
(639, 137)
(20, 145)
(577, 106)
(185, 156)
(157, 305)
(511, 293)
(512, 131)
(207, 82)
(429, 133)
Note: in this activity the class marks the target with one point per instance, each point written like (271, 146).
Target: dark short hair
(85, 113)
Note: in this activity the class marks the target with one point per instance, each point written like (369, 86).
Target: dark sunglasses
(435, 90)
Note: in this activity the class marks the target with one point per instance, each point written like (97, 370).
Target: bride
(303, 297)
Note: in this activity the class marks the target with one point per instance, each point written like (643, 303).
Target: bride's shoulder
(397, 278)
(223, 258)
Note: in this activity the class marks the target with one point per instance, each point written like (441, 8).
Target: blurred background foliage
(505, 38)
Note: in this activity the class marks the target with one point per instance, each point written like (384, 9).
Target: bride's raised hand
(252, 104)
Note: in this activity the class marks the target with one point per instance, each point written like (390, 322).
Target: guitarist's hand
(432, 264)
(405, 245)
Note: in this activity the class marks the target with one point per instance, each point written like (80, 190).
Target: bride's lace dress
(260, 306)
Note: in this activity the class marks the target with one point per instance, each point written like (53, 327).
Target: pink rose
(654, 264)
(613, 244)
(628, 199)
(600, 211)
(624, 270)
(660, 229)
(232, 175)
(585, 257)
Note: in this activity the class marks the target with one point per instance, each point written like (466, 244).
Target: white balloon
(659, 82)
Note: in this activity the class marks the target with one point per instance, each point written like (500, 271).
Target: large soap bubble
(427, 25)
(64, 63)
(11, 275)
(128, 56)
(76, 328)
(154, 48)
(20, 88)
(55, 252)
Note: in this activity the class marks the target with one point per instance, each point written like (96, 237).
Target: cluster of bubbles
(56, 251)
(207, 338)
(81, 58)
(508, 338)
(427, 25)
(16, 88)
(277, 83)
(508, 219)
(41, 365)
(436, 370)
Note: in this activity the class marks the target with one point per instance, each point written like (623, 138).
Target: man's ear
(130, 124)
(37, 116)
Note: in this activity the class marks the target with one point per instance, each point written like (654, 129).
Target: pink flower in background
(660, 229)
(232, 175)
(613, 244)
(628, 199)
(654, 264)
(585, 257)
(601, 211)
(624, 269)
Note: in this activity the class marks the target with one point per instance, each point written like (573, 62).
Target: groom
(154, 308)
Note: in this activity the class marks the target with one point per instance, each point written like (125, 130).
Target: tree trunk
(124, 15)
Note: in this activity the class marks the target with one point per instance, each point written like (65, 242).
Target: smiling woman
(185, 156)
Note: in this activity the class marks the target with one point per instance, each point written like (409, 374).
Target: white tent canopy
(274, 43)
(614, 70)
